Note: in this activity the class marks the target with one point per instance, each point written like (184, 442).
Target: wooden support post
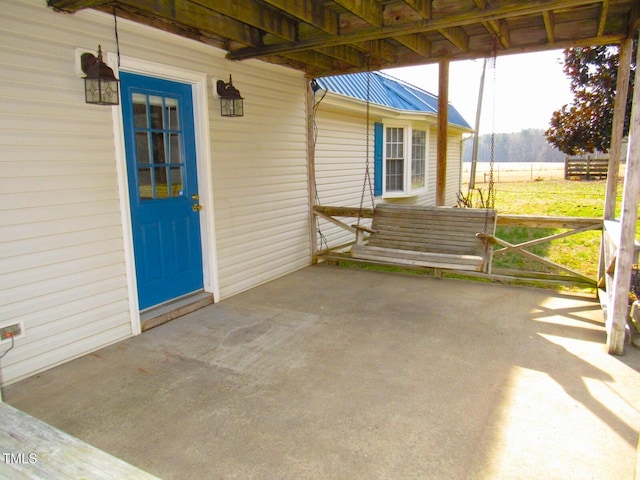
(619, 111)
(476, 136)
(443, 121)
(618, 310)
(311, 170)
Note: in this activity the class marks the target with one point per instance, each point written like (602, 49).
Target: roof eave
(355, 105)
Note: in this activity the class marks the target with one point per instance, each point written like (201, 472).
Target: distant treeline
(526, 146)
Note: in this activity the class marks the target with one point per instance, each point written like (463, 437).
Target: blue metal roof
(388, 91)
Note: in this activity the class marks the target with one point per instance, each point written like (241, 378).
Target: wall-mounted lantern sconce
(230, 99)
(100, 84)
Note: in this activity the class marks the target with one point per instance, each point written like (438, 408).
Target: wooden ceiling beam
(423, 7)
(412, 59)
(491, 12)
(315, 61)
(370, 12)
(250, 12)
(415, 42)
(549, 25)
(457, 36)
(378, 49)
(311, 12)
(237, 13)
(71, 6)
(180, 17)
(344, 53)
(634, 20)
(500, 29)
(604, 10)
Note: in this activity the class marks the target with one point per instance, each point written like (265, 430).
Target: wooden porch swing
(443, 238)
(438, 237)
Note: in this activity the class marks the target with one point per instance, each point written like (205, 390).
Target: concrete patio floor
(332, 373)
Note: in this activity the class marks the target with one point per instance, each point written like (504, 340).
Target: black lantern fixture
(100, 84)
(230, 99)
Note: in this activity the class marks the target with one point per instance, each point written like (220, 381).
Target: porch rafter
(313, 13)
(490, 13)
(331, 37)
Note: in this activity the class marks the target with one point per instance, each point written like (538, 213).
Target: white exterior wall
(64, 239)
(454, 168)
(340, 161)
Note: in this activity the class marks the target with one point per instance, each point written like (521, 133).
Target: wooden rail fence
(585, 168)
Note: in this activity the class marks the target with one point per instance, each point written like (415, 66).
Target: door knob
(196, 207)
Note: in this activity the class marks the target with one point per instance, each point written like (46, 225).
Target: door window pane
(142, 147)
(175, 155)
(176, 182)
(158, 147)
(140, 110)
(162, 182)
(144, 183)
(173, 122)
(155, 108)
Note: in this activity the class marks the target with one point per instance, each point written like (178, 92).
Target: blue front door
(163, 189)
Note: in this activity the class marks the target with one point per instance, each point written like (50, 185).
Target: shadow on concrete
(340, 373)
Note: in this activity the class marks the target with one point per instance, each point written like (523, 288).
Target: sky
(530, 87)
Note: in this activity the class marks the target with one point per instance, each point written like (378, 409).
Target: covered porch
(342, 373)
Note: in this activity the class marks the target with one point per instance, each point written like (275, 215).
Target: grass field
(553, 198)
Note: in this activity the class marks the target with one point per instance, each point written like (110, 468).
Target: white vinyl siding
(260, 181)
(340, 161)
(454, 168)
(62, 248)
(340, 164)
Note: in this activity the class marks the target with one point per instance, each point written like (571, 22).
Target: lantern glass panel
(226, 107)
(238, 108)
(110, 92)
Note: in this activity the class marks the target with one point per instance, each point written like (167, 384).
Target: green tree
(585, 124)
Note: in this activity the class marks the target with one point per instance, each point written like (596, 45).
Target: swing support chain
(367, 173)
(491, 193)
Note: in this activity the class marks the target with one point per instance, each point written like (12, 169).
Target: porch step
(166, 312)
(39, 451)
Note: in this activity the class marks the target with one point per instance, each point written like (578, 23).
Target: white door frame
(198, 82)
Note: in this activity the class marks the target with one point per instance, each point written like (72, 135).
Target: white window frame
(407, 190)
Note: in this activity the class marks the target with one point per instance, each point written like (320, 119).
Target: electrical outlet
(11, 330)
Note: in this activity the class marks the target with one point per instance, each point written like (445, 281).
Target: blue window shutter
(377, 159)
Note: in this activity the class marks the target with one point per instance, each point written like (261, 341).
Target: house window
(405, 160)
(395, 160)
(418, 158)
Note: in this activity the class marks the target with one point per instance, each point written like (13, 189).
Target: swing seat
(439, 237)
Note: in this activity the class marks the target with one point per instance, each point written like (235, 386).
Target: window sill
(414, 193)
(400, 195)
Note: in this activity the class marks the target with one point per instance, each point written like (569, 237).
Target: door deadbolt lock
(195, 197)
(196, 207)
